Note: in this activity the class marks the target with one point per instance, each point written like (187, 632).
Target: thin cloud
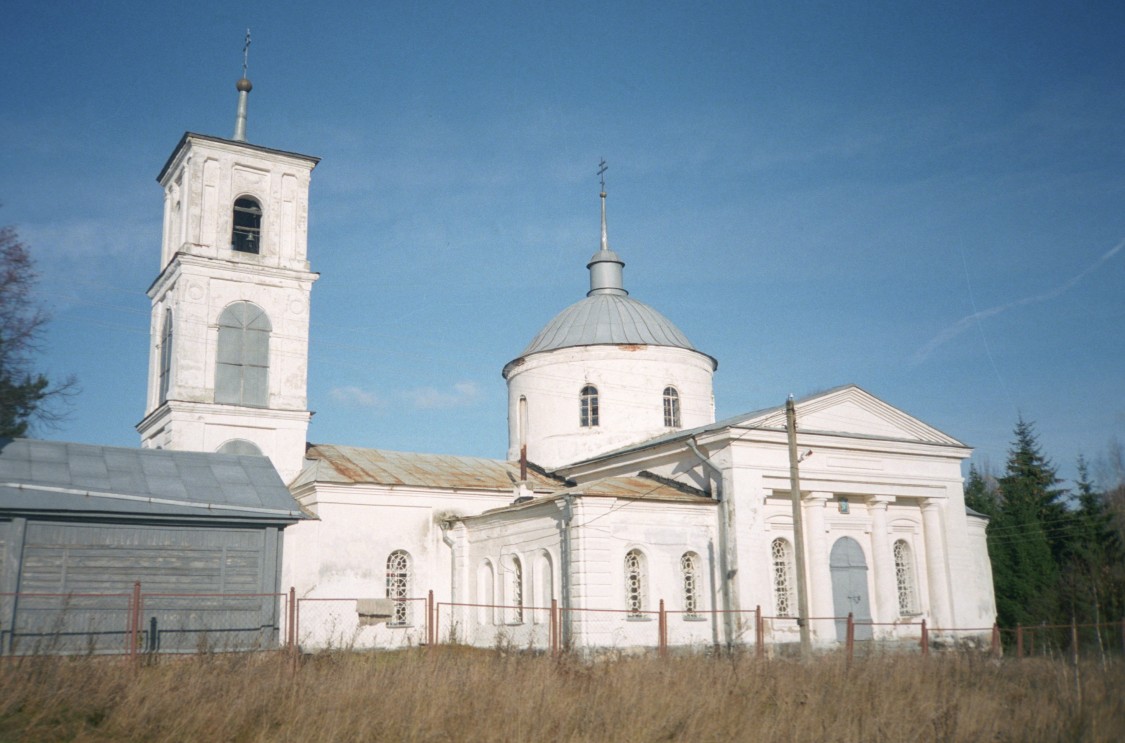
(430, 398)
(968, 321)
(351, 395)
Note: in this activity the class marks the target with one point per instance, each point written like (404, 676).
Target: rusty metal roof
(639, 487)
(355, 465)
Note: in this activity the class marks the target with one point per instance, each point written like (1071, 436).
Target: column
(935, 562)
(819, 574)
(886, 587)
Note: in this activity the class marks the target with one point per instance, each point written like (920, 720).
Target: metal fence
(140, 623)
(137, 622)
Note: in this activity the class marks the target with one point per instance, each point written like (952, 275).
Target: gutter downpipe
(566, 633)
(728, 558)
(454, 584)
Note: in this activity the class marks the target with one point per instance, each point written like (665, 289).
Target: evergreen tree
(980, 492)
(1027, 534)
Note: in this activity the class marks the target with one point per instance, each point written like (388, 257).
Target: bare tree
(26, 396)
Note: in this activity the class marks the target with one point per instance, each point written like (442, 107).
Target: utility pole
(798, 528)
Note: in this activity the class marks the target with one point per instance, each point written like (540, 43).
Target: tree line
(1058, 554)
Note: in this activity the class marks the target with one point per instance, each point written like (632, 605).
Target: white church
(622, 500)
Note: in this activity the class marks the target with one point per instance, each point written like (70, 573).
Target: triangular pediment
(851, 411)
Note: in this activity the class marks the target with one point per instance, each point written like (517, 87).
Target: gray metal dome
(608, 316)
(608, 319)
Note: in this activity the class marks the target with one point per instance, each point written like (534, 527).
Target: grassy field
(452, 694)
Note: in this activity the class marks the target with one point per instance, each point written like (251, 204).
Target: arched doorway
(849, 588)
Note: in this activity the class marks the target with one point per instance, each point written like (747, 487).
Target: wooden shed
(81, 525)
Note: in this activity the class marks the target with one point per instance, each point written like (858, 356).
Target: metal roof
(55, 476)
(643, 486)
(355, 465)
(608, 319)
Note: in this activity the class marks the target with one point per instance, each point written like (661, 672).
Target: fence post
(925, 638)
(1073, 640)
(759, 632)
(291, 614)
(662, 629)
(554, 628)
(1019, 640)
(995, 640)
(430, 618)
(134, 620)
(849, 643)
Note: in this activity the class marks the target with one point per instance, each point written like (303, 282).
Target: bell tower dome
(230, 307)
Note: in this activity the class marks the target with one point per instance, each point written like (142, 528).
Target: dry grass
(451, 694)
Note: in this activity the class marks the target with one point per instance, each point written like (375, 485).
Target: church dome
(608, 319)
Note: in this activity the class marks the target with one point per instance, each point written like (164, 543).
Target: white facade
(631, 381)
(202, 275)
(621, 494)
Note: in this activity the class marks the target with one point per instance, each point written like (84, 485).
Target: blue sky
(926, 200)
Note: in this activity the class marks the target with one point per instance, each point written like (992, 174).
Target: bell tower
(230, 307)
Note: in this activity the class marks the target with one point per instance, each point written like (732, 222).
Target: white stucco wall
(630, 381)
(201, 276)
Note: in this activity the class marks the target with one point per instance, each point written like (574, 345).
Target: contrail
(966, 322)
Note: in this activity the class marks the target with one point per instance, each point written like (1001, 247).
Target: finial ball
(243, 85)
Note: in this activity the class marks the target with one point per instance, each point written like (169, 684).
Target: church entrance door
(849, 588)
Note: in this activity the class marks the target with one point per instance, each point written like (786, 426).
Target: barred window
(783, 588)
(588, 412)
(398, 586)
(516, 597)
(671, 407)
(243, 356)
(904, 579)
(689, 569)
(635, 583)
(246, 235)
(166, 356)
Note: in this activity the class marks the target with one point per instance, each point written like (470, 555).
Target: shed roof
(355, 465)
(55, 476)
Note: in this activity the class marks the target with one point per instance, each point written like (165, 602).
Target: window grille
(166, 356)
(517, 591)
(904, 579)
(398, 586)
(689, 567)
(246, 234)
(242, 356)
(635, 583)
(671, 407)
(588, 413)
(783, 588)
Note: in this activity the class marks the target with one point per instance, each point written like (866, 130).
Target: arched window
(588, 413)
(240, 446)
(485, 595)
(398, 586)
(904, 579)
(544, 588)
(246, 235)
(784, 594)
(515, 591)
(243, 356)
(689, 571)
(671, 407)
(635, 587)
(166, 356)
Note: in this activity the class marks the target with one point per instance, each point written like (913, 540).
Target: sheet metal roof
(54, 476)
(355, 465)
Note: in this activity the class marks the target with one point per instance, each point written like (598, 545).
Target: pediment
(851, 411)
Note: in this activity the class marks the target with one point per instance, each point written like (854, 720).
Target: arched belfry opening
(246, 234)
